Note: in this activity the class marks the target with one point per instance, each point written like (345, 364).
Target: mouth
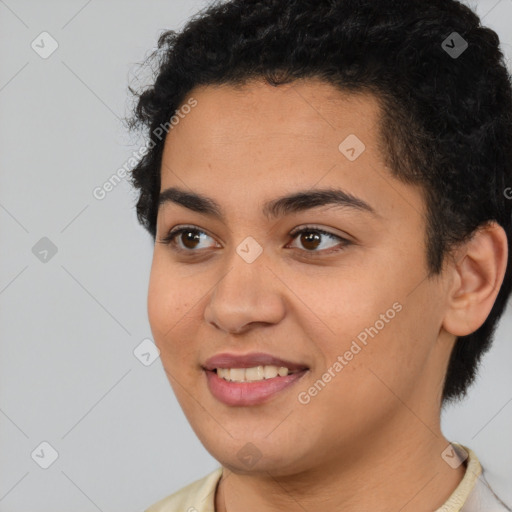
(255, 373)
(252, 361)
(243, 393)
(250, 379)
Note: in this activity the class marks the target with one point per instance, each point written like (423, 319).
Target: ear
(478, 271)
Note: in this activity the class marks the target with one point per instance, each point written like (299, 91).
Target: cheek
(374, 326)
(158, 304)
(166, 303)
(170, 304)
(394, 359)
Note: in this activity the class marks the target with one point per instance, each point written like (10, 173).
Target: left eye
(310, 238)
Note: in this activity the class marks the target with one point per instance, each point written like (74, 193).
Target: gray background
(68, 374)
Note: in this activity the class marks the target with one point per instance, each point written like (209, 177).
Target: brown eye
(184, 239)
(189, 238)
(311, 239)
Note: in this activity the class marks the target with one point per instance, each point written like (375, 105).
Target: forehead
(261, 127)
(309, 109)
(247, 144)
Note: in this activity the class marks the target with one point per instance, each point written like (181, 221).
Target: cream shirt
(473, 493)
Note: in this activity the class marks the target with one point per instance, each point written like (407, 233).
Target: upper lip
(226, 360)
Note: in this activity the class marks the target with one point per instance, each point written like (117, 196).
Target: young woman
(332, 247)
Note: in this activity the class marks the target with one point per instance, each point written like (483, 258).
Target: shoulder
(473, 494)
(199, 496)
(483, 498)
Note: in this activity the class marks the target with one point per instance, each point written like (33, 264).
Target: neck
(397, 472)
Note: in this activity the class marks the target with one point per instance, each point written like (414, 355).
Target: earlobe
(479, 271)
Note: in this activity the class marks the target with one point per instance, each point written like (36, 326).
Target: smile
(256, 373)
(247, 392)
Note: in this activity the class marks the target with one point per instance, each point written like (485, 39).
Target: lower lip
(249, 393)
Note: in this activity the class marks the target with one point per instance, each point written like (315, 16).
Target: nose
(249, 293)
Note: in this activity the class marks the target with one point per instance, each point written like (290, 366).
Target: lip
(249, 393)
(227, 360)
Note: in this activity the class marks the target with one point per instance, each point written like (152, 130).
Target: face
(346, 297)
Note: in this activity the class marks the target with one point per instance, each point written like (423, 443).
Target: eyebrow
(299, 201)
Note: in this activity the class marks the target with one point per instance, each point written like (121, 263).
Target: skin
(371, 439)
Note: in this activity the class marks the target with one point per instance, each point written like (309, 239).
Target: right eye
(193, 236)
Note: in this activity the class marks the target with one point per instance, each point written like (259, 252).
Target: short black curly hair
(446, 121)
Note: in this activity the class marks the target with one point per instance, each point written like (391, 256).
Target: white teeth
(270, 372)
(237, 374)
(283, 372)
(252, 374)
(256, 373)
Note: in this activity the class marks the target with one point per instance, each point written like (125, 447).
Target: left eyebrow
(296, 202)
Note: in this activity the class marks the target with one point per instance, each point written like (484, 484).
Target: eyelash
(173, 234)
